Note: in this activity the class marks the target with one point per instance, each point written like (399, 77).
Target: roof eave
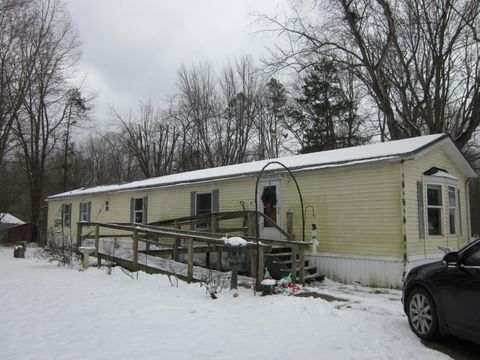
(452, 148)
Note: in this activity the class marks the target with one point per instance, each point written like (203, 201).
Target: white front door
(270, 204)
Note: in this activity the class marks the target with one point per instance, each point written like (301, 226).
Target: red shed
(19, 232)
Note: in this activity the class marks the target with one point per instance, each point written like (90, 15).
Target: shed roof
(393, 150)
(6, 218)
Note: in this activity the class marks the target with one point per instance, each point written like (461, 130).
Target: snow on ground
(52, 312)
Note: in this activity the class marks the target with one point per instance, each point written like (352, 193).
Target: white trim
(444, 182)
(440, 179)
(135, 211)
(270, 232)
(456, 211)
(434, 186)
(84, 211)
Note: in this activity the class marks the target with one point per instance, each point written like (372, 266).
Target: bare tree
(13, 76)
(77, 110)
(418, 59)
(196, 107)
(272, 125)
(241, 98)
(49, 45)
(150, 139)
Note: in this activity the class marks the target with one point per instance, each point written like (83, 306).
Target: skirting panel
(357, 270)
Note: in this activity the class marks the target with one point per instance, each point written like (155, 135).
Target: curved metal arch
(257, 226)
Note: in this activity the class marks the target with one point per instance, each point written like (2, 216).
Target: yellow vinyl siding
(357, 209)
(163, 203)
(413, 170)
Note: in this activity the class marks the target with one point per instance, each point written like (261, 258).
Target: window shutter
(69, 214)
(421, 212)
(132, 209)
(193, 211)
(145, 209)
(89, 210)
(192, 207)
(215, 201)
(459, 214)
(80, 212)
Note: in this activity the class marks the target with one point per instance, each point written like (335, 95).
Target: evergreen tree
(325, 115)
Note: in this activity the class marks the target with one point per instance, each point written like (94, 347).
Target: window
(66, 214)
(85, 211)
(138, 211)
(269, 201)
(434, 209)
(107, 205)
(452, 210)
(204, 203)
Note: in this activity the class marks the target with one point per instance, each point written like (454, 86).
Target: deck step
(279, 264)
(307, 269)
(314, 277)
(279, 254)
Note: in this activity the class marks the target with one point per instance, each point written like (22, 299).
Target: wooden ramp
(148, 240)
(158, 265)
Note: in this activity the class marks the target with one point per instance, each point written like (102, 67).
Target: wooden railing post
(294, 263)
(261, 265)
(301, 260)
(219, 258)
(214, 223)
(176, 243)
(253, 263)
(79, 234)
(135, 249)
(97, 243)
(190, 260)
(251, 224)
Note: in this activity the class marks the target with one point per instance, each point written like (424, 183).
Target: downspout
(404, 222)
(467, 206)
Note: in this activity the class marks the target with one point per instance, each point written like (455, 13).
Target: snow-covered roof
(6, 218)
(393, 150)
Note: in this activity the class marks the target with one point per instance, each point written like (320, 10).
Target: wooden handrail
(226, 215)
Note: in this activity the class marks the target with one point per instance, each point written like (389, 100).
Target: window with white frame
(452, 210)
(66, 214)
(138, 215)
(84, 211)
(434, 209)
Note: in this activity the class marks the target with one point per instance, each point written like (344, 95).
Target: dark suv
(444, 297)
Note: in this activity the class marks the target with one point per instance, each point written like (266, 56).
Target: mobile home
(379, 209)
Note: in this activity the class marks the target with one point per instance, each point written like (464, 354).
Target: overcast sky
(131, 50)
